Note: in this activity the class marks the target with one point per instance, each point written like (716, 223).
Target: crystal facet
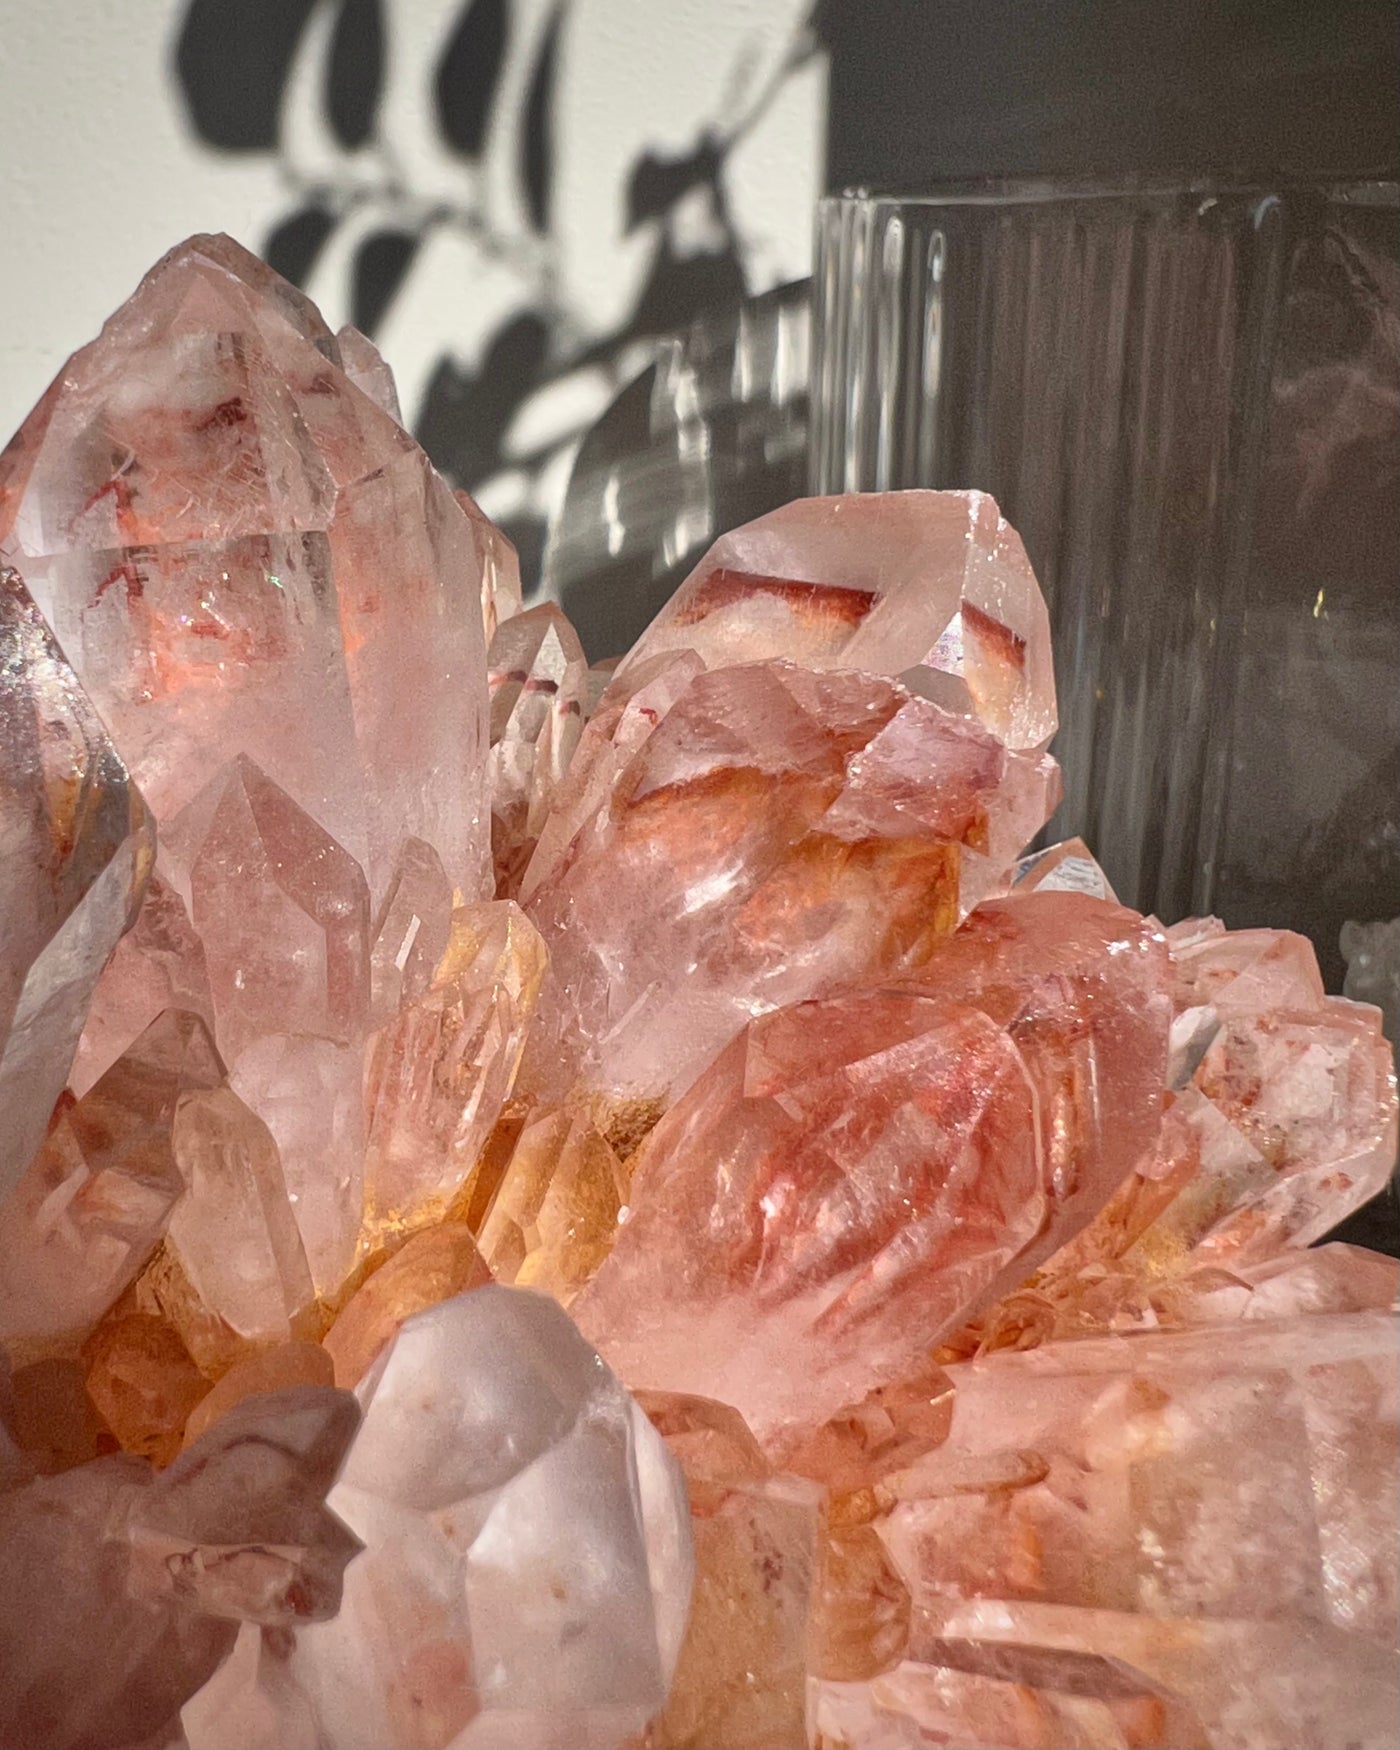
(931, 582)
(440, 1072)
(203, 505)
(1165, 1516)
(99, 1194)
(75, 852)
(776, 837)
(526, 1570)
(850, 1178)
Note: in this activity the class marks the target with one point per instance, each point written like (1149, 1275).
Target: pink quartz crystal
(775, 837)
(98, 1195)
(441, 1070)
(1171, 1518)
(244, 555)
(851, 1177)
(536, 672)
(936, 583)
(1281, 1123)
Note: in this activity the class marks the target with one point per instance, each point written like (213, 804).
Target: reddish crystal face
(853, 1177)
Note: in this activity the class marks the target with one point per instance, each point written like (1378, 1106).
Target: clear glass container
(711, 434)
(1188, 402)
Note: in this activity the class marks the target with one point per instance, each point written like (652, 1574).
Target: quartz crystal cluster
(549, 1206)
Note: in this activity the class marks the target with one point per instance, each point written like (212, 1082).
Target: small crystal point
(439, 1073)
(537, 674)
(233, 1233)
(99, 1195)
(281, 909)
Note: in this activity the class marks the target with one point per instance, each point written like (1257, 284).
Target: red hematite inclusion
(614, 1206)
(815, 601)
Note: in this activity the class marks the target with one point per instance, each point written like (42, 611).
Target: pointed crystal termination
(233, 1235)
(618, 725)
(310, 1094)
(410, 932)
(282, 911)
(931, 586)
(75, 852)
(98, 1195)
(368, 370)
(120, 1589)
(498, 565)
(442, 1069)
(157, 965)
(526, 1568)
(851, 1177)
(1283, 1121)
(1068, 867)
(282, 918)
(779, 835)
(537, 675)
(1306, 1081)
(203, 502)
(1170, 1516)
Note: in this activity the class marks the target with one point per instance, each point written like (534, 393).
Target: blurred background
(515, 197)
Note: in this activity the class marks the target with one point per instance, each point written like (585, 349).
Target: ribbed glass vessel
(1188, 402)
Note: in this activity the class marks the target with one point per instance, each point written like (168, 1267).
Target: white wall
(98, 177)
(99, 172)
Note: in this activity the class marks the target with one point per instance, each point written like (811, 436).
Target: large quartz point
(121, 1588)
(851, 1177)
(779, 835)
(244, 555)
(527, 1566)
(935, 586)
(1196, 1536)
(75, 851)
(98, 1196)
